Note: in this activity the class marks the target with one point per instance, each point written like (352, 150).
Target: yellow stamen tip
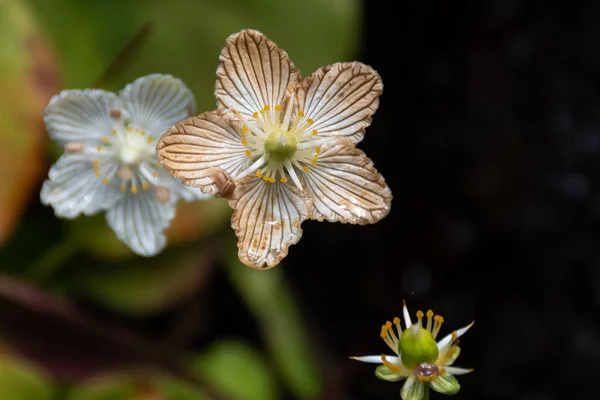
(255, 114)
(123, 189)
(104, 140)
(154, 173)
(259, 174)
(272, 180)
(143, 133)
(305, 169)
(310, 121)
(314, 132)
(134, 190)
(420, 314)
(314, 161)
(429, 314)
(318, 149)
(137, 129)
(149, 140)
(105, 181)
(98, 173)
(245, 130)
(277, 107)
(114, 131)
(244, 141)
(301, 113)
(266, 177)
(145, 186)
(248, 153)
(267, 108)
(284, 179)
(99, 148)
(396, 321)
(129, 130)
(96, 164)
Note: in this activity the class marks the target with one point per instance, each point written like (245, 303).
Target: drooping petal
(253, 73)
(445, 384)
(413, 389)
(445, 344)
(457, 370)
(340, 99)
(73, 188)
(196, 148)
(156, 102)
(139, 221)
(376, 359)
(384, 373)
(81, 116)
(266, 219)
(346, 187)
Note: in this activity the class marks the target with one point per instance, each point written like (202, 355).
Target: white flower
(280, 147)
(418, 358)
(110, 159)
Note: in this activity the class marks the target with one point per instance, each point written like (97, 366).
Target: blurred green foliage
(83, 259)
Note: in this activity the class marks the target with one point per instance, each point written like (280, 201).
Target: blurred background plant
(82, 317)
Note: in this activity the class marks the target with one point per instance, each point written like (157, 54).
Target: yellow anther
(396, 321)
(154, 173)
(283, 180)
(318, 149)
(105, 181)
(104, 140)
(314, 132)
(420, 314)
(143, 133)
(99, 148)
(392, 367)
(266, 177)
(149, 140)
(98, 174)
(429, 314)
(277, 107)
(310, 121)
(305, 169)
(245, 130)
(442, 371)
(314, 161)
(129, 130)
(248, 153)
(158, 164)
(267, 108)
(145, 186)
(301, 114)
(114, 131)
(123, 188)
(244, 140)
(272, 180)
(259, 174)
(254, 114)
(134, 190)
(137, 129)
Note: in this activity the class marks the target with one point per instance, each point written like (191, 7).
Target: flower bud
(416, 346)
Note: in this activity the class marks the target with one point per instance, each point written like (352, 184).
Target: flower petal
(406, 315)
(266, 218)
(195, 148)
(445, 344)
(156, 102)
(413, 389)
(80, 115)
(139, 221)
(384, 373)
(376, 359)
(73, 188)
(346, 187)
(445, 384)
(340, 99)
(254, 72)
(457, 370)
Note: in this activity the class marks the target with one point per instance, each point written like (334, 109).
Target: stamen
(288, 113)
(259, 173)
(123, 188)
(429, 320)
(388, 326)
(256, 165)
(283, 179)
(248, 153)
(114, 131)
(105, 140)
(74, 147)
(254, 129)
(394, 368)
(244, 130)
(301, 114)
(145, 186)
(277, 107)
(244, 140)
(420, 317)
(99, 148)
(97, 168)
(314, 161)
(162, 194)
(106, 181)
(254, 114)
(437, 324)
(310, 121)
(446, 357)
(318, 149)
(149, 140)
(398, 327)
(315, 132)
(134, 189)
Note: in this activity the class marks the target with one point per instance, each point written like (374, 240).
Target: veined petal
(156, 102)
(340, 99)
(413, 389)
(80, 115)
(384, 373)
(139, 221)
(196, 148)
(253, 73)
(266, 219)
(457, 370)
(346, 187)
(73, 188)
(445, 384)
(376, 359)
(445, 344)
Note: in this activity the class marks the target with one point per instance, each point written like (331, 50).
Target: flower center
(280, 145)
(134, 148)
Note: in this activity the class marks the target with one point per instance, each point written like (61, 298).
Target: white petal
(193, 149)
(80, 115)
(254, 72)
(346, 187)
(406, 315)
(73, 188)
(446, 342)
(267, 218)
(139, 221)
(377, 359)
(157, 102)
(341, 99)
(457, 371)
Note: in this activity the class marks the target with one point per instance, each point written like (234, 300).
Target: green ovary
(281, 146)
(417, 345)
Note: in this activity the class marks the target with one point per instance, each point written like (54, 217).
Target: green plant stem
(50, 261)
(426, 392)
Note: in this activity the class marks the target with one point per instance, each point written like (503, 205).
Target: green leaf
(20, 381)
(238, 370)
(110, 387)
(445, 384)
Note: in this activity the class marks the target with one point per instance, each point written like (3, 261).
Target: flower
(419, 359)
(110, 160)
(281, 148)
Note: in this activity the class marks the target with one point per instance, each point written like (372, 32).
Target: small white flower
(110, 161)
(280, 147)
(418, 358)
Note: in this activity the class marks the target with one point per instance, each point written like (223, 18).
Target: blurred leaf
(28, 78)
(270, 299)
(173, 389)
(21, 381)
(145, 285)
(238, 370)
(106, 387)
(195, 220)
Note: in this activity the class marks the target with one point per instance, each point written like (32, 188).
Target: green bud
(281, 146)
(445, 384)
(416, 346)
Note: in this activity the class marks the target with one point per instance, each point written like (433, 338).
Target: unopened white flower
(280, 147)
(110, 161)
(418, 358)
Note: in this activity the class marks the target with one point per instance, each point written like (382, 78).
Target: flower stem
(426, 393)
(50, 261)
